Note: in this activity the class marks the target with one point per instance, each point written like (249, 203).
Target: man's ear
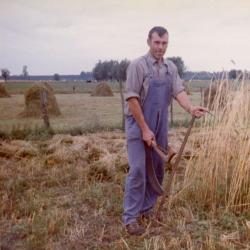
(148, 42)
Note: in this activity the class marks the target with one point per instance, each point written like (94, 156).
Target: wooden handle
(167, 191)
(159, 152)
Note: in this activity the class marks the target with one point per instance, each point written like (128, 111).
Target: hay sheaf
(17, 149)
(3, 91)
(33, 101)
(102, 89)
(89, 150)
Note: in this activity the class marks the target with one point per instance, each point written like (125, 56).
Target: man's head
(158, 41)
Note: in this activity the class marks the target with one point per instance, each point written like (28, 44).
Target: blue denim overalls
(139, 196)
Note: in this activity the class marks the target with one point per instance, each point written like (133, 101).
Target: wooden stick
(44, 103)
(175, 165)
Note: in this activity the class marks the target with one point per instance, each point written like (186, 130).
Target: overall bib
(139, 195)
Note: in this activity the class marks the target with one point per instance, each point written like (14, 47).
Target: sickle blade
(151, 173)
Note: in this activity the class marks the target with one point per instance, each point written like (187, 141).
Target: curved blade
(151, 173)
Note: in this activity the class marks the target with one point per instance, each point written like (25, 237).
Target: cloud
(70, 36)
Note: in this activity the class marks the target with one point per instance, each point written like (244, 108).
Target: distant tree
(56, 77)
(112, 70)
(108, 69)
(25, 73)
(98, 71)
(179, 64)
(120, 70)
(5, 74)
(232, 74)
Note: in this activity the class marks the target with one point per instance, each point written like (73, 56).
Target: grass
(81, 113)
(20, 87)
(66, 192)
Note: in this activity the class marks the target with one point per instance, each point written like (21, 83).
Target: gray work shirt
(137, 82)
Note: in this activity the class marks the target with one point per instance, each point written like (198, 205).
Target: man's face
(158, 45)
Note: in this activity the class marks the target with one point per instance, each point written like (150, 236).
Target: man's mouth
(159, 53)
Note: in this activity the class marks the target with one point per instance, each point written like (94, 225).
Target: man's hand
(184, 101)
(197, 111)
(148, 136)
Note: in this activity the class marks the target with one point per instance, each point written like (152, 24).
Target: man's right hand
(148, 136)
(135, 108)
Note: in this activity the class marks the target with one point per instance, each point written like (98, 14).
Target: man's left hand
(197, 111)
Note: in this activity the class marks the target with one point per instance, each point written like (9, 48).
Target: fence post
(202, 102)
(122, 102)
(44, 103)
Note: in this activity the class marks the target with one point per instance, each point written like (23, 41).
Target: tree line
(111, 70)
(115, 70)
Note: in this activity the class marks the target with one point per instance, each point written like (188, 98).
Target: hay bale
(102, 89)
(33, 102)
(3, 91)
(212, 95)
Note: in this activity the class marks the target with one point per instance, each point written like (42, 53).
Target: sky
(67, 37)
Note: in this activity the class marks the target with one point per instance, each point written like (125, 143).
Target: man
(151, 83)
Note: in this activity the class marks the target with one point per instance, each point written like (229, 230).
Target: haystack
(33, 101)
(3, 91)
(212, 97)
(102, 89)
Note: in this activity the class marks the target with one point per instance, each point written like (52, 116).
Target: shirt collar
(153, 60)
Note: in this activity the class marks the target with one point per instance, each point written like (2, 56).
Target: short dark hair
(159, 30)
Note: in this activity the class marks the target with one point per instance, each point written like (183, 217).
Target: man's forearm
(135, 108)
(183, 100)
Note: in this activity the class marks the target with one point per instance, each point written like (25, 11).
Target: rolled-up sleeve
(177, 83)
(134, 81)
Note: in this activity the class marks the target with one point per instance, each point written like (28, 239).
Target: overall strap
(150, 67)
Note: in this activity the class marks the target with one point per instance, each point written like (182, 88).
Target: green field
(80, 111)
(19, 87)
(62, 87)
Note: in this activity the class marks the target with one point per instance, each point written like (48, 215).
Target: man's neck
(159, 61)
